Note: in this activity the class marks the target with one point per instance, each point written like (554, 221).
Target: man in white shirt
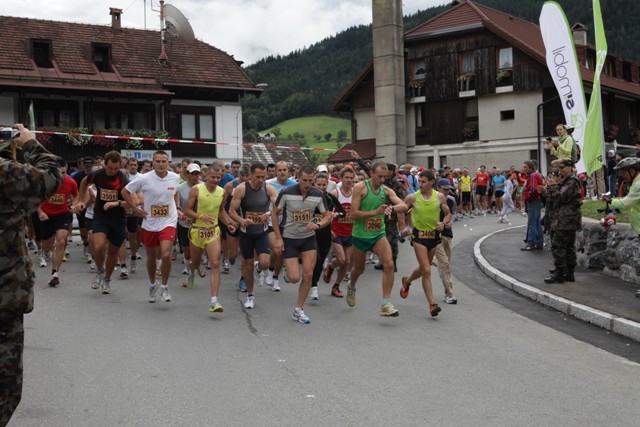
(159, 189)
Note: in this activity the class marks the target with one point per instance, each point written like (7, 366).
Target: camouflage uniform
(391, 224)
(565, 221)
(22, 188)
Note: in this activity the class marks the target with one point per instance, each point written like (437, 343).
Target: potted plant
(465, 79)
(503, 77)
(469, 132)
(611, 132)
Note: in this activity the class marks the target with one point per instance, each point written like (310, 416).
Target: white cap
(322, 168)
(414, 170)
(193, 167)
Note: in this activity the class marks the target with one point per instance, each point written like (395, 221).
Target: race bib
(426, 234)
(207, 233)
(303, 215)
(108, 195)
(57, 199)
(255, 217)
(159, 211)
(373, 224)
(345, 219)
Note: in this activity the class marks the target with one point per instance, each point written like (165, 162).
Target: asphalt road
(105, 360)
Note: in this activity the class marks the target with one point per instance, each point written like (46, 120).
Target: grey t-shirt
(183, 193)
(299, 210)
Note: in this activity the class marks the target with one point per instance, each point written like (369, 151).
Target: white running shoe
(185, 271)
(276, 286)
(258, 277)
(269, 279)
(43, 261)
(153, 291)
(124, 273)
(225, 266)
(314, 293)
(134, 265)
(105, 286)
(164, 294)
(249, 303)
(95, 283)
(92, 266)
(298, 314)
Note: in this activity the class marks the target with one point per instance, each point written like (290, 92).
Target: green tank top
(425, 213)
(371, 227)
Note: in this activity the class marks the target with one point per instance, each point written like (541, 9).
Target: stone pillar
(389, 83)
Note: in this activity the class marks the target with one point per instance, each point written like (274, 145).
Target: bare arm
(445, 209)
(191, 201)
(238, 195)
(359, 192)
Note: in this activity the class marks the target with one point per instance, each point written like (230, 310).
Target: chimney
(580, 32)
(116, 18)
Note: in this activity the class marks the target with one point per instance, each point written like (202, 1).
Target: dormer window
(42, 53)
(102, 57)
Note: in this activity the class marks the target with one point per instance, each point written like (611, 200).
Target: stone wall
(616, 252)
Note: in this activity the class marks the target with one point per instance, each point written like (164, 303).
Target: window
(505, 58)
(206, 126)
(607, 68)
(42, 53)
(188, 126)
(419, 69)
(626, 71)
(419, 116)
(466, 63)
(507, 115)
(123, 116)
(102, 57)
(55, 113)
(192, 123)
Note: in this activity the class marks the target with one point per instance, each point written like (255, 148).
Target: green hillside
(312, 127)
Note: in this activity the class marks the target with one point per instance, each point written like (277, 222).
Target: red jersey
(343, 226)
(58, 204)
(482, 179)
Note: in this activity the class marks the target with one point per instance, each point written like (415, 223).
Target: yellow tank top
(208, 203)
(465, 183)
(426, 213)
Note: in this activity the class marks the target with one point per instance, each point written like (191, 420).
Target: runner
(481, 181)
(52, 220)
(341, 230)
(230, 254)
(133, 222)
(109, 221)
(297, 203)
(253, 198)
(78, 176)
(193, 178)
(159, 189)
(428, 224)
(465, 190)
(368, 207)
(206, 207)
(282, 180)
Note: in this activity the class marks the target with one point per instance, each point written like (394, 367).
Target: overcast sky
(248, 29)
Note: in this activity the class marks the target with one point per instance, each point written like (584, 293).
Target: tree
(277, 131)
(342, 135)
(327, 136)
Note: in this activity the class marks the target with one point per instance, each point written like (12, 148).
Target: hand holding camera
(17, 133)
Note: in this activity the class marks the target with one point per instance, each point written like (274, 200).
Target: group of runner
(261, 212)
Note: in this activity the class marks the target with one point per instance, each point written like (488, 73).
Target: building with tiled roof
(476, 82)
(111, 77)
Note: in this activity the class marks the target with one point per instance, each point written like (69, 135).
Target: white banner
(142, 154)
(564, 68)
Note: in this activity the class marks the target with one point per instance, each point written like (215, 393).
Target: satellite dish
(177, 25)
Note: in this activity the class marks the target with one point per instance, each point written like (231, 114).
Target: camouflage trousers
(11, 347)
(563, 248)
(392, 237)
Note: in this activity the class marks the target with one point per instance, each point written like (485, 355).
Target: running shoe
(92, 266)
(388, 310)
(47, 255)
(298, 314)
(351, 295)
(336, 292)
(31, 245)
(185, 271)
(258, 277)
(269, 279)
(434, 309)
(65, 258)
(404, 290)
(153, 291)
(191, 280)
(314, 293)
(89, 259)
(138, 256)
(164, 294)
(450, 299)
(242, 285)
(105, 286)
(347, 277)
(232, 261)
(124, 273)
(249, 303)
(328, 272)
(216, 308)
(276, 286)
(225, 266)
(95, 283)
(55, 280)
(202, 270)
(134, 265)
(158, 272)
(43, 261)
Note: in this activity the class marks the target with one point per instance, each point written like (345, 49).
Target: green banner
(593, 147)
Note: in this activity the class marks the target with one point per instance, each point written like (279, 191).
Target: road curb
(608, 321)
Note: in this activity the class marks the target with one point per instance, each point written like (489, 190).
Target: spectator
(611, 172)
(532, 189)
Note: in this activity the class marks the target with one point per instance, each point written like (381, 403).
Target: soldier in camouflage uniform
(23, 186)
(391, 223)
(565, 221)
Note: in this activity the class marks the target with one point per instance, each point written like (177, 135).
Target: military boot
(557, 276)
(568, 276)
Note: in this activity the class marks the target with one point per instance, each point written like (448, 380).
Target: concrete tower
(389, 85)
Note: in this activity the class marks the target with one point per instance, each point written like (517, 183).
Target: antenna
(176, 24)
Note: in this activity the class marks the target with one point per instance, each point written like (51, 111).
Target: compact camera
(7, 134)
